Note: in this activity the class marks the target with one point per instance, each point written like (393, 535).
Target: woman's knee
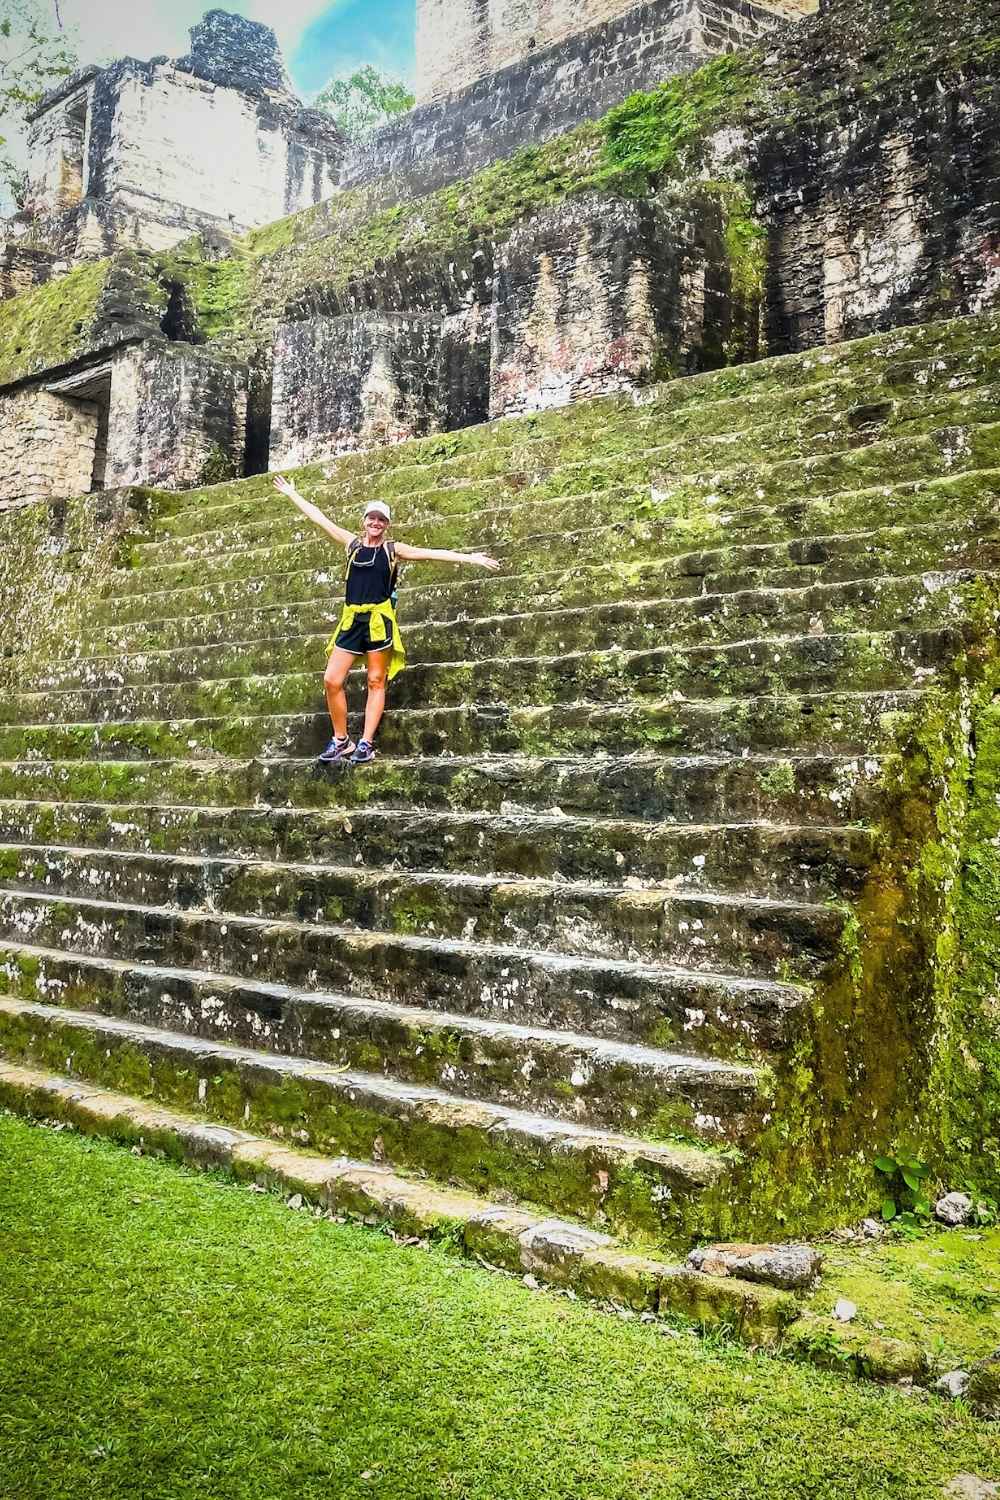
(333, 679)
(376, 676)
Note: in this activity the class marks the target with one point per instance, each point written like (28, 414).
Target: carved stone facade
(166, 415)
(352, 382)
(884, 215)
(604, 295)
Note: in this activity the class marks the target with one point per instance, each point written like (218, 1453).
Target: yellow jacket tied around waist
(383, 627)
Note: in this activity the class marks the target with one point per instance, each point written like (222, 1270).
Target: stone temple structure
(670, 903)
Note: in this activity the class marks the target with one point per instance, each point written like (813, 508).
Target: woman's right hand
(285, 487)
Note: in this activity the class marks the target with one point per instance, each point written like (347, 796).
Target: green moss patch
(49, 326)
(940, 1291)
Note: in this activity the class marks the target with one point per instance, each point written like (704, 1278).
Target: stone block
(612, 1275)
(754, 1313)
(553, 1250)
(599, 295)
(494, 1234)
(352, 382)
(791, 1267)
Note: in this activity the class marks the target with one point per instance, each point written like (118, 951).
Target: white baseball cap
(378, 508)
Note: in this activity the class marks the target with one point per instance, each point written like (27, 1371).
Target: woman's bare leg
(378, 666)
(337, 668)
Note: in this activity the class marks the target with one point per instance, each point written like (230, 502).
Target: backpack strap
(390, 552)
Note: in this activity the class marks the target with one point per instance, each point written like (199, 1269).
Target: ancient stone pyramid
(575, 943)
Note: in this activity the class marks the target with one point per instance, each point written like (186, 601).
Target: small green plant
(904, 1201)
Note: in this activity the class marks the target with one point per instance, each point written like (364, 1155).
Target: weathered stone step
(920, 457)
(960, 496)
(913, 359)
(808, 863)
(851, 722)
(644, 923)
(867, 661)
(921, 602)
(684, 789)
(715, 1014)
(610, 1085)
(427, 513)
(612, 572)
(631, 1184)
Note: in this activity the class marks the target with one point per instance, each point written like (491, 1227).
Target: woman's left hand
(482, 561)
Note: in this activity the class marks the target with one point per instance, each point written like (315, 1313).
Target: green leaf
(888, 1209)
(885, 1164)
(911, 1178)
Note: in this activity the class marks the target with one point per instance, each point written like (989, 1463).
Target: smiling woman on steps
(368, 625)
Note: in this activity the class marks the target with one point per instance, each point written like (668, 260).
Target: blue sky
(320, 40)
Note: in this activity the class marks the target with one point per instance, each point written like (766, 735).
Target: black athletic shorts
(358, 638)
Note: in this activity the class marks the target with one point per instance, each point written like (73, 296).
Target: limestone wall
(547, 91)
(460, 41)
(885, 210)
(352, 382)
(47, 446)
(177, 417)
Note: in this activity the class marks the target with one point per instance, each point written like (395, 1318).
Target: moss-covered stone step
(555, 1251)
(808, 863)
(803, 789)
(610, 1085)
(920, 602)
(919, 459)
(613, 571)
(648, 923)
(427, 515)
(642, 1187)
(847, 721)
(968, 494)
(773, 666)
(907, 360)
(717, 1014)
(654, 516)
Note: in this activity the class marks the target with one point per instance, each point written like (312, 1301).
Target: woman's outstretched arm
(435, 554)
(312, 512)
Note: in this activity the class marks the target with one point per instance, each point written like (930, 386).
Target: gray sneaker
(338, 750)
(363, 754)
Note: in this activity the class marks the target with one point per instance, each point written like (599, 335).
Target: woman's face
(376, 527)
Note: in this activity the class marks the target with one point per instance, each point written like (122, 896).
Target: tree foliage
(35, 52)
(363, 101)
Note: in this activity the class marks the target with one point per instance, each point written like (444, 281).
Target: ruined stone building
(171, 367)
(672, 903)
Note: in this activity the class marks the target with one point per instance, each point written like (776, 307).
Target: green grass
(940, 1289)
(168, 1336)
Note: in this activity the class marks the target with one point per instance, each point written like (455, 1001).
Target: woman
(368, 625)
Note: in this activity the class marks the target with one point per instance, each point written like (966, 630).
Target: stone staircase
(557, 943)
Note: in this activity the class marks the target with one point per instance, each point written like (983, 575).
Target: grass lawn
(166, 1336)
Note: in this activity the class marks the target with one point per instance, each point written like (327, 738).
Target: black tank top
(371, 577)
